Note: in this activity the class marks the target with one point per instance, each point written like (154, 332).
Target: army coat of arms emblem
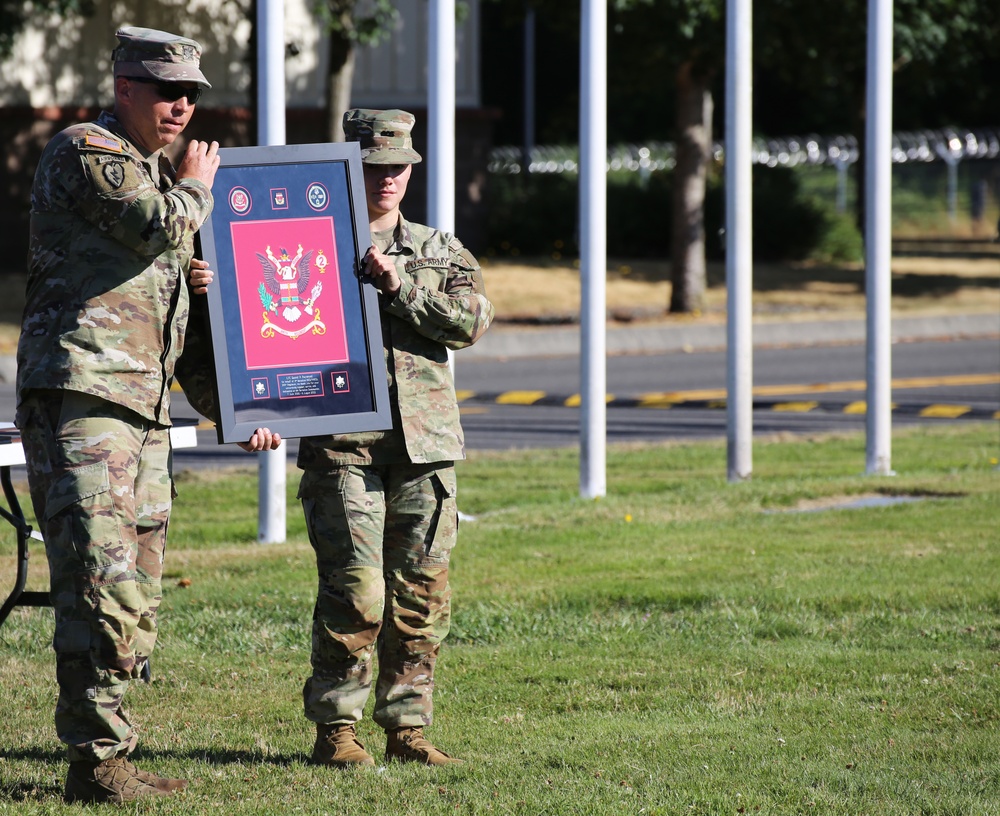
(289, 303)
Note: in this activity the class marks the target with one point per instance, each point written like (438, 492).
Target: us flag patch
(103, 141)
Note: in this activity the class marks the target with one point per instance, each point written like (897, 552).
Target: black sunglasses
(170, 91)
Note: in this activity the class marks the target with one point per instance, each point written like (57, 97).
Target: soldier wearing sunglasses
(111, 273)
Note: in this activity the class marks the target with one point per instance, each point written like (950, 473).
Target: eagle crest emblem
(289, 302)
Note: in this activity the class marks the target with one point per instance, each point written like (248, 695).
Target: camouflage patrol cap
(146, 52)
(384, 135)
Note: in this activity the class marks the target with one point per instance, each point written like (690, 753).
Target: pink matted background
(279, 351)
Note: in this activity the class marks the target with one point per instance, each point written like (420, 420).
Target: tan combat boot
(339, 747)
(162, 783)
(409, 745)
(112, 780)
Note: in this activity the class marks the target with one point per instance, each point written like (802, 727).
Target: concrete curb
(505, 342)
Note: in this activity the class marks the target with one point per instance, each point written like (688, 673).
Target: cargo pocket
(82, 504)
(444, 526)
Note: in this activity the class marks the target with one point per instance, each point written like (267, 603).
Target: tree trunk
(693, 152)
(340, 75)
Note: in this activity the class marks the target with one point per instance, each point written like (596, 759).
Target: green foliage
(839, 239)
(537, 214)
(365, 22)
(266, 299)
(789, 224)
(14, 16)
(811, 63)
(695, 23)
(681, 646)
(529, 214)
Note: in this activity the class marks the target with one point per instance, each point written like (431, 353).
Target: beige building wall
(59, 63)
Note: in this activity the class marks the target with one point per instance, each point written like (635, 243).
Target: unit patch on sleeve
(114, 172)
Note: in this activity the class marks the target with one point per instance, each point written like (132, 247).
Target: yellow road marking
(658, 401)
(655, 399)
(795, 407)
(947, 411)
(520, 397)
(576, 400)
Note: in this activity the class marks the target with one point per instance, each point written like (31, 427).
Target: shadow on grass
(18, 790)
(45, 755)
(28, 792)
(225, 756)
(922, 285)
(211, 756)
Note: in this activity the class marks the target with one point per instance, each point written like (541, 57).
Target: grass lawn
(682, 646)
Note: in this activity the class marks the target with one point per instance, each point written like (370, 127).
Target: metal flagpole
(739, 242)
(441, 122)
(878, 239)
(593, 247)
(441, 117)
(441, 128)
(271, 465)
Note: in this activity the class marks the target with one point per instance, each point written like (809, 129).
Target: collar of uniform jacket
(401, 239)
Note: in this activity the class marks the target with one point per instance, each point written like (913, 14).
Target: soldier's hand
(200, 161)
(261, 440)
(382, 272)
(200, 276)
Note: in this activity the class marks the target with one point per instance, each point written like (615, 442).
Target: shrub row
(538, 215)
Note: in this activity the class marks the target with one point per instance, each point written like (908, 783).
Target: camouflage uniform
(112, 236)
(380, 507)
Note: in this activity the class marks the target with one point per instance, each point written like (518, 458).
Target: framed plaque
(295, 330)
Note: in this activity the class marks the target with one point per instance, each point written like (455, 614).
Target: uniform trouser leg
(99, 476)
(383, 538)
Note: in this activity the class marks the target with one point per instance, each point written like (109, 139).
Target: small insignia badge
(279, 199)
(261, 389)
(341, 382)
(317, 196)
(93, 140)
(188, 53)
(239, 200)
(114, 172)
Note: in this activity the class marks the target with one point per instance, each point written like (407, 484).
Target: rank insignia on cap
(93, 140)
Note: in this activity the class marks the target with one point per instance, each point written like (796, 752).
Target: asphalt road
(788, 381)
(926, 373)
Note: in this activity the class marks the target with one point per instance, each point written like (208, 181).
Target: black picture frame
(296, 334)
